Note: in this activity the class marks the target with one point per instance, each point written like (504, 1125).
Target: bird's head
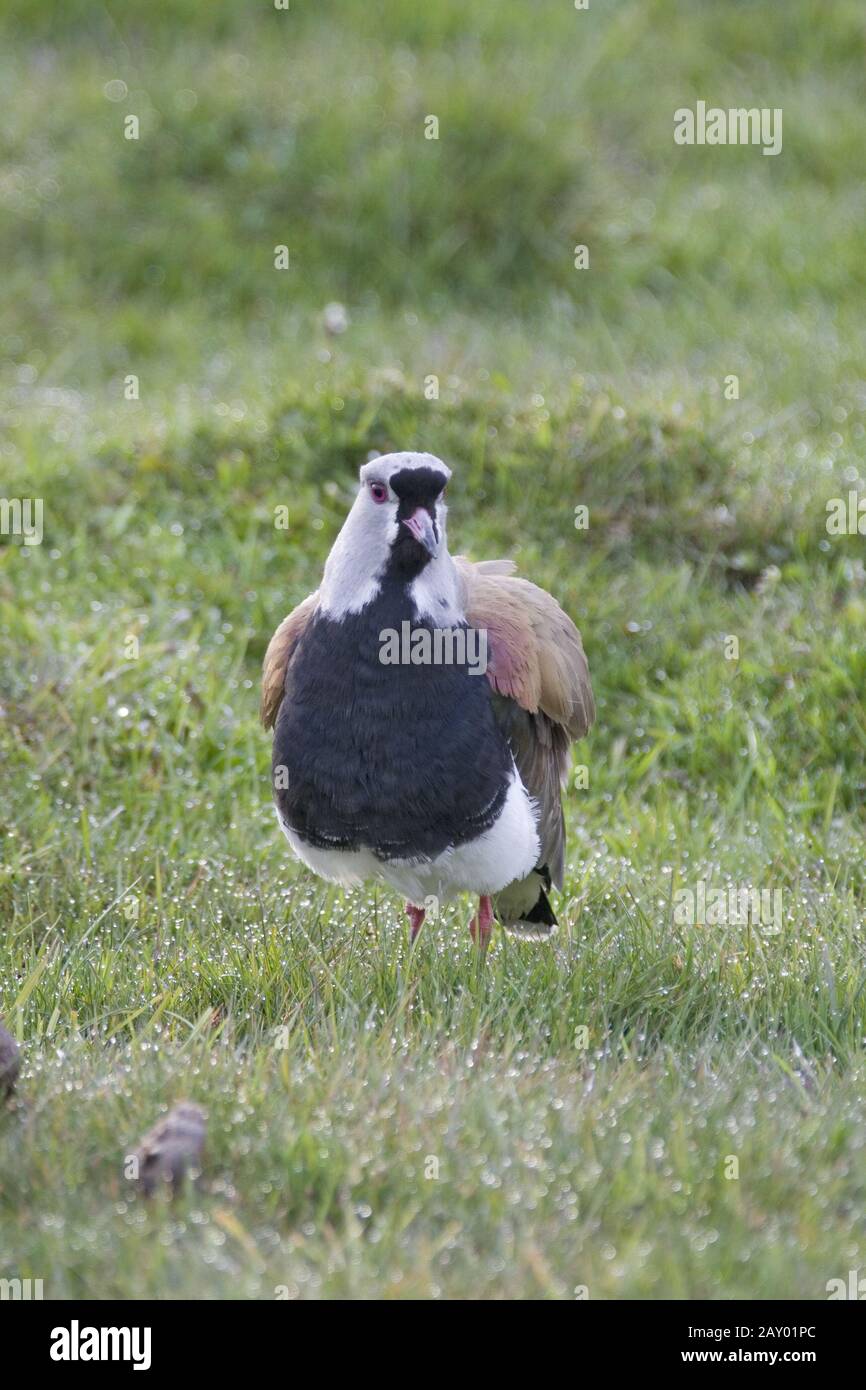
(396, 527)
(404, 495)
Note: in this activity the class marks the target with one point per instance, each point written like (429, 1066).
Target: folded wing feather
(538, 671)
(278, 655)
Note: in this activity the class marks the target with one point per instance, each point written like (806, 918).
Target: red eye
(378, 492)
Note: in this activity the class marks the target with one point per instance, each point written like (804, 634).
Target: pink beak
(423, 528)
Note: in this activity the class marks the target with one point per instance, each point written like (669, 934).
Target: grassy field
(562, 1120)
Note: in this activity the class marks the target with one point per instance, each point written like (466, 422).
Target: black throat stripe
(414, 487)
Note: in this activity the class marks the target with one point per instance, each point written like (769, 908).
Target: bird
(171, 1150)
(423, 707)
(10, 1062)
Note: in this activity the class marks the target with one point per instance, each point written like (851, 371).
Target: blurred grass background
(306, 128)
(154, 932)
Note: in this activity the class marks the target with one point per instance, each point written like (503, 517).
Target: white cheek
(358, 557)
(379, 518)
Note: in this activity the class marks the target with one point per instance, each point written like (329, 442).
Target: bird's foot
(416, 918)
(482, 925)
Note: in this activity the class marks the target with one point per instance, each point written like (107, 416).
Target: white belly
(508, 851)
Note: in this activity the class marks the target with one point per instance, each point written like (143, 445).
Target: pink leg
(416, 918)
(481, 926)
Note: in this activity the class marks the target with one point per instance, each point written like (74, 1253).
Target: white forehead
(388, 464)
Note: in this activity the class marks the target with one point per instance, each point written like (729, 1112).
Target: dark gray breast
(403, 760)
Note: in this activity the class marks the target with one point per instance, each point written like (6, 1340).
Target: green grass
(156, 939)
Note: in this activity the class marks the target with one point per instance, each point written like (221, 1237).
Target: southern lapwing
(394, 758)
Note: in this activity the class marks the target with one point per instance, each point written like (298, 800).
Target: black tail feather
(542, 912)
(537, 922)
